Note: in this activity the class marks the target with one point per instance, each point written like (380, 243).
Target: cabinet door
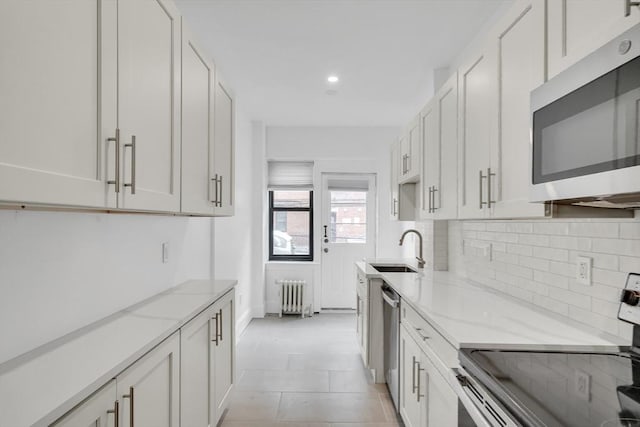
(196, 370)
(411, 401)
(58, 103)
(223, 153)
(224, 354)
(442, 400)
(445, 190)
(577, 27)
(148, 104)
(431, 158)
(395, 163)
(198, 82)
(149, 390)
(520, 43)
(100, 410)
(410, 146)
(477, 117)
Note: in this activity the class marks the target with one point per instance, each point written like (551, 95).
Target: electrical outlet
(165, 252)
(583, 270)
(582, 385)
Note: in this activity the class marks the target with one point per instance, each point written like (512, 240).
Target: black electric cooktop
(554, 389)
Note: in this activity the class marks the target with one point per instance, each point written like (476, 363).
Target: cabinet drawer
(429, 337)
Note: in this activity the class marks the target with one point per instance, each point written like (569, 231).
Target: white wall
(60, 271)
(234, 240)
(342, 149)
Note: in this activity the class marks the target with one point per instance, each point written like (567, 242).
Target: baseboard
(242, 322)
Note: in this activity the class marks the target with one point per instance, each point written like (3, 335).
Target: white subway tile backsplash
(551, 253)
(551, 279)
(617, 246)
(554, 228)
(630, 264)
(533, 240)
(630, 230)
(566, 242)
(594, 229)
(571, 298)
(535, 261)
(519, 227)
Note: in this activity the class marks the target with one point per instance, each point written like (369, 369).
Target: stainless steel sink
(393, 268)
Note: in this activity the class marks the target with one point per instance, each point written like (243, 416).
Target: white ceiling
(277, 54)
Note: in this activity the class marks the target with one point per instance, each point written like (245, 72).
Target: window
(348, 217)
(290, 225)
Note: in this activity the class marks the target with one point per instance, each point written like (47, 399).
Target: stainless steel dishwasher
(391, 313)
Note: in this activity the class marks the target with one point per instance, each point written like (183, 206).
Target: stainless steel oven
(585, 126)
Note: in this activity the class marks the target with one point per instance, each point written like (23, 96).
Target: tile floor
(295, 372)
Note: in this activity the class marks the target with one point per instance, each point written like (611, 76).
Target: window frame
(272, 210)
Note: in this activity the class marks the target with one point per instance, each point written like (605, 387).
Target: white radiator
(293, 297)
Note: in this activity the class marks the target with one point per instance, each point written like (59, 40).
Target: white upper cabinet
(495, 86)
(149, 104)
(520, 47)
(395, 162)
(477, 117)
(410, 153)
(575, 28)
(58, 102)
(439, 124)
(198, 84)
(223, 161)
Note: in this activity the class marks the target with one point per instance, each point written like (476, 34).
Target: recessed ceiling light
(332, 79)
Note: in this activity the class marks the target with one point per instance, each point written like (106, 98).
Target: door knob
(326, 250)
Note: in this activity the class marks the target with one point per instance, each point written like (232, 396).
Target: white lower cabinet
(207, 364)
(362, 316)
(426, 398)
(100, 409)
(149, 390)
(223, 358)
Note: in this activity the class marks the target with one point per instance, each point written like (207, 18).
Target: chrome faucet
(419, 258)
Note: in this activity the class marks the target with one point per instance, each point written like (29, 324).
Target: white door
(347, 234)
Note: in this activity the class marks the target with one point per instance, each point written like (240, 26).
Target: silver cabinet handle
(116, 139)
(413, 376)
(357, 305)
(132, 184)
(395, 206)
(215, 333)
(116, 413)
(220, 326)
(215, 183)
(220, 198)
(131, 405)
(489, 175)
(418, 395)
(433, 198)
(627, 6)
(408, 162)
(482, 202)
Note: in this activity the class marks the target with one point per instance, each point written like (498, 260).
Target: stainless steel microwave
(585, 126)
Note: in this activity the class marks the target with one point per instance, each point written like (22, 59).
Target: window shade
(290, 175)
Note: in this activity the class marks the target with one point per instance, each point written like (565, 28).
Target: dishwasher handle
(389, 299)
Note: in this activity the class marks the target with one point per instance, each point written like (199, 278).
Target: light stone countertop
(39, 387)
(473, 316)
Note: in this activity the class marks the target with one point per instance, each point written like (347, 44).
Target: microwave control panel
(630, 300)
